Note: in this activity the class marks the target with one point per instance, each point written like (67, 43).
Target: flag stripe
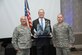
(27, 13)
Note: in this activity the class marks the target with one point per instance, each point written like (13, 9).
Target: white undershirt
(43, 22)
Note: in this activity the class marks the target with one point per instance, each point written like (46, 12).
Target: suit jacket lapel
(38, 21)
(45, 24)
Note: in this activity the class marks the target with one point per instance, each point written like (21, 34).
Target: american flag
(27, 14)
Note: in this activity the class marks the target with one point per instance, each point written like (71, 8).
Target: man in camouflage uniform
(62, 37)
(21, 39)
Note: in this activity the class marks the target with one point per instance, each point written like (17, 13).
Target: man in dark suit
(41, 31)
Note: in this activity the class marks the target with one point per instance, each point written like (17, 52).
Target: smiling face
(23, 20)
(60, 18)
(41, 13)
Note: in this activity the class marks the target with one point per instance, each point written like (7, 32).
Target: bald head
(60, 18)
(41, 10)
(41, 13)
(23, 20)
(22, 17)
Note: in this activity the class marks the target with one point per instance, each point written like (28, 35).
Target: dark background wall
(77, 24)
(72, 11)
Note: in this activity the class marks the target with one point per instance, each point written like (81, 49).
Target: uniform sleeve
(71, 37)
(15, 39)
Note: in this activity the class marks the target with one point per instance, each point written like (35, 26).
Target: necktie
(42, 23)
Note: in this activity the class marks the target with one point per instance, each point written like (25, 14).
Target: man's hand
(51, 35)
(35, 36)
(17, 49)
(71, 45)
